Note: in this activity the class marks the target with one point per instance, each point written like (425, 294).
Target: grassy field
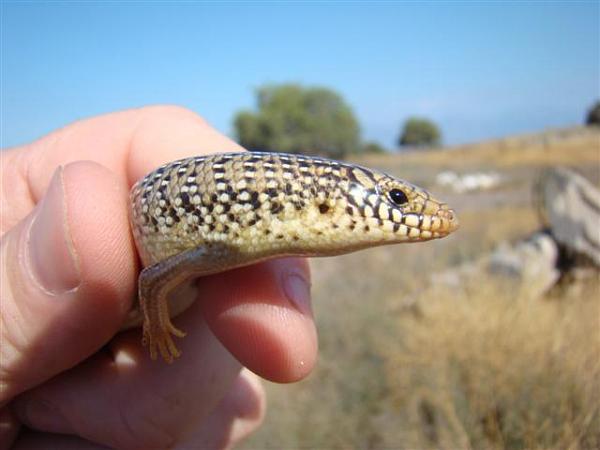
(404, 364)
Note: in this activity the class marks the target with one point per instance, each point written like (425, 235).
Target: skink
(207, 214)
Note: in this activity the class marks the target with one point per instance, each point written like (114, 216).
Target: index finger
(128, 143)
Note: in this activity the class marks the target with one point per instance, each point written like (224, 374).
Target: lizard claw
(160, 340)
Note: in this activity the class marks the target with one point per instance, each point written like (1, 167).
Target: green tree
(419, 132)
(296, 119)
(373, 148)
(593, 115)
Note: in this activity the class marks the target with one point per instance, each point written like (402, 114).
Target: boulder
(571, 208)
(531, 263)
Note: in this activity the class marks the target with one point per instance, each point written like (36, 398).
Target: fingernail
(52, 259)
(296, 287)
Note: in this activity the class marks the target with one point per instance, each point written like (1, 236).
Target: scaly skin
(208, 214)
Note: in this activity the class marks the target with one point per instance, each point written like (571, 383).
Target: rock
(527, 268)
(571, 206)
(531, 263)
(476, 181)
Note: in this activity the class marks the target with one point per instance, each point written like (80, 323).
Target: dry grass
(483, 230)
(403, 365)
(559, 147)
(493, 371)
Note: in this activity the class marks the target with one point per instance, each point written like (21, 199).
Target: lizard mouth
(430, 226)
(443, 222)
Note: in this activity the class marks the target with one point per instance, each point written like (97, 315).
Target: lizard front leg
(155, 284)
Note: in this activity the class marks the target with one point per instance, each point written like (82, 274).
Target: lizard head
(389, 209)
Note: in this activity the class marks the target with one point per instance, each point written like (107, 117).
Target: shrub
(419, 132)
(593, 115)
(373, 148)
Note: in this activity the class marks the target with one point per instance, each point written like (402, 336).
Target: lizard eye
(398, 197)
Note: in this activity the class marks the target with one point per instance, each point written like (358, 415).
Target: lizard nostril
(453, 219)
(449, 219)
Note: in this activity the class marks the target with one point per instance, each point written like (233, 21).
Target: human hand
(69, 274)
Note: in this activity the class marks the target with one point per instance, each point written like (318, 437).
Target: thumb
(68, 276)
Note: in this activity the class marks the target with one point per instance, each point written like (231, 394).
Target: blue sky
(479, 69)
